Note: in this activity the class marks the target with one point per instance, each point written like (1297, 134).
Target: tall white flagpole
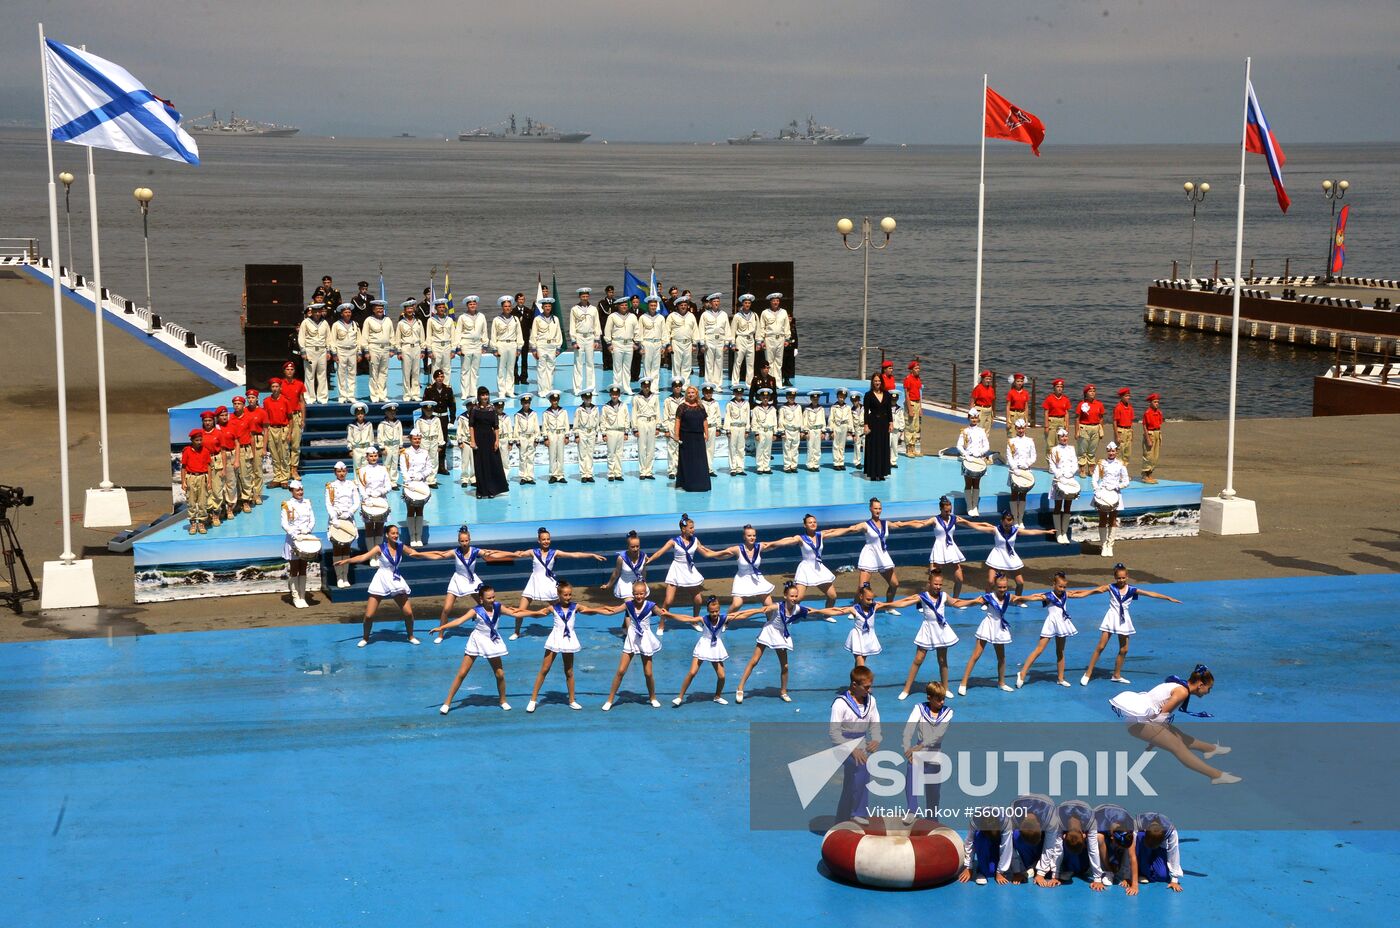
(67, 581)
(981, 209)
(106, 506)
(1229, 491)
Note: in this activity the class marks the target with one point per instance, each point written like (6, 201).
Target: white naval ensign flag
(97, 103)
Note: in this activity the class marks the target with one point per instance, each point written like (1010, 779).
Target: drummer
(1063, 462)
(1110, 479)
(374, 500)
(298, 519)
(975, 450)
(1020, 458)
(342, 502)
(416, 466)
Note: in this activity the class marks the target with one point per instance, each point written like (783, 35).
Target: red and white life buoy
(886, 853)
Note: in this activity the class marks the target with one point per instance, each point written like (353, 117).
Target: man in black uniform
(605, 308)
(445, 410)
(526, 315)
(327, 293)
(360, 303)
(790, 352)
(671, 296)
(764, 379)
(424, 310)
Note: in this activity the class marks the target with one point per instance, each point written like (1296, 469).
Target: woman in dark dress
(879, 423)
(692, 433)
(485, 429)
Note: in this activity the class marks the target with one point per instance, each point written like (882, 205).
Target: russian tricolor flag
(1259, 138)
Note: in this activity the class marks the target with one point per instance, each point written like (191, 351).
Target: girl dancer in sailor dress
(813, 572)
(1003, 559)
(388, 583)
(682, 574)
(563, 640)
(995, 631)
(776, 634)
(639, 639)
(709, 647)
(945, 552)
(875, 556)
(465, 579)
(1118, 620)
(1057, 625)
(935, 634)
(1150, 718)
(541, 587)
(484, 641)
(749, 582)
(631, 567)
(861, 641)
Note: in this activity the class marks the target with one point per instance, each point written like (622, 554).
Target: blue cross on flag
(97, 103)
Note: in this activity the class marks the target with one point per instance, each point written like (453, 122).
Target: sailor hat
(378, 303)
(554, 394)
(713, 296)
(707, 386)
(765, 391)
(972, 413)
(408, 304)
(855, 394)
(1020, 423)
(791, 391)
(294, 485)
(317, 305)
(440, 301)
(415, 433)
(614, 389)
(372, 449)
(1112, 446)
(654, 299)
(746, 298)
(582, 290)
(841, 392)
(644, 380)
(504, 300)
(391, 405)
(472, 298)
(339, 465)
(428, 404)
(814, 394)
(586, 393)
(358, 407)
(1063, 432)
(525, 398)
(344, 306)
(774, 296)
(741, 388)
(547, 301)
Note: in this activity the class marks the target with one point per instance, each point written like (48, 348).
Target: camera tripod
(14, 554)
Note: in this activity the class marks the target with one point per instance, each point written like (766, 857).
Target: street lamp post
(1195, 193)
(845, 227)
(144, 196)
(66, 180)
(1333, 190)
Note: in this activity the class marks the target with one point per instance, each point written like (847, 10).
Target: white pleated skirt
(997, 559)
(748, 584)
(1136, 707)
(772, 637)
(1112, 625)
(557, 643)
(992, 632)
(809, 574)
(682, 576)
(479, 643)
(933, 635)
(875, 559)
(386, 585)
(541, 589)
(944, 552)
(459, 585)
(865, 644)
(646, 643)
(710, 651)
(1058, 625)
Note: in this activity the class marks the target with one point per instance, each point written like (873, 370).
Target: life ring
(886, 853)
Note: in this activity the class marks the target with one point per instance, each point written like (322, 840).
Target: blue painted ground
(283, 777)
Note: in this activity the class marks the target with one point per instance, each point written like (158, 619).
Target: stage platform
(282, 776)
(245, 555)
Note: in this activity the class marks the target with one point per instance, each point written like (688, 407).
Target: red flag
(1006, 120)
(1339, 247)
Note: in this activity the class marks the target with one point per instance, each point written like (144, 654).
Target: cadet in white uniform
(525, 433)
(471, 336)
(743, 335)
(555, 426)
(1063, 462)
(712, 414)
(505, 342)
(546, 337)
(464, 450)
(389, 438)
(839, 424)
(897, 421)
(1020, 458)
(857, 431)
(681, 332)
(347, 343)
(313, 338)
(359, 436)
(374, 483)
(646, 416)
(615, 420)
(377, 335)
(790, 420)
(1057, 625)
(668, 415)
(763, 421)
(651, 334)
(774, 332)
(441, 333)
(923, 735)
(736, 429)
(342, 503)
(813, 428)
(415, 466)
(584, 333)
(620, 334)
(973, 446)
(714, 338)
(298, 518)
(430, 427)
(408, 345)
(587, 423)
(1110, 476)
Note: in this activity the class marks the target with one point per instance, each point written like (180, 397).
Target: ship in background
(236, 127)
(793, 134)
(533, 131)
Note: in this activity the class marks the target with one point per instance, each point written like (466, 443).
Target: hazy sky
(1101, 71)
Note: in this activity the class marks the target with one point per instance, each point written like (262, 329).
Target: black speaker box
(255, 275)
(762, 278)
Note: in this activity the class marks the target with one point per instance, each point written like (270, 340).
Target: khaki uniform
(615, 421)
(839, 422)
(408, 342)
(556, 433)
(347, 344)
(378, 336)
(913, 431)
(197, 497)
(313, 338)
(279, 448)
(736, 427)
(763, 420)
(586, 425)
(1151, 454)
(813, 427)
(713, 420)
(546, 336)
(646, 416)
(390, 437)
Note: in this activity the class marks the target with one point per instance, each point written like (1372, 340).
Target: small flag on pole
(1259, 139)
(97, 103)
(447, 289)
(382, 295)
(632, 285)
(539, 291)
(1006, 120)
(1339, 248)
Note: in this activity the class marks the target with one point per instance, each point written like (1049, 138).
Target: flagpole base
(106, 508)
(1232, 516)
(68, 585)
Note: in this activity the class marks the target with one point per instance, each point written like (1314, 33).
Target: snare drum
(375, 509)
(417, 491)
(1022, 479)
(974, 467)
(308, 546)
(343, 531)
(1105, 498)
(1068, 487)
